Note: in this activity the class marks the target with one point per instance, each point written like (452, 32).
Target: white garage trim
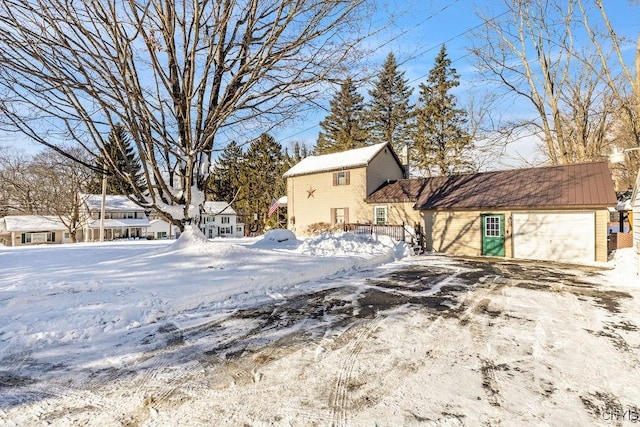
(555, 236)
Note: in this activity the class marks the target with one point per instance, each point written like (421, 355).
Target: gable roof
(337, 161)
(577, 185)
(217, 208)
(30, 223)
(111, 203)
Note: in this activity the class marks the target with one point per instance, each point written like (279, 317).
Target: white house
(122, 218)
(161, 229)
(18, 230)
(219, 219)
(634, 221)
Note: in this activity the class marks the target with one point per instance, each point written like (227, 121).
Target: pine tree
(344, 127)
(224, 182)
(124, 169)
(441, 141)
(261, 179)
(300, 151)
(389, 112)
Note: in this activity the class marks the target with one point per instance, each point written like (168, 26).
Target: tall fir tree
(261, 180)
(441, 141)
(389, 113)
(344, 128)
(224, 182)
(126, 169)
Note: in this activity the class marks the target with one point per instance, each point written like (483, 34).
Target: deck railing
(396, 232)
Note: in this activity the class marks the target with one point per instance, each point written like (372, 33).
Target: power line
(420, 53)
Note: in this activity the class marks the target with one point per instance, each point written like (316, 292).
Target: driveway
(431, 340)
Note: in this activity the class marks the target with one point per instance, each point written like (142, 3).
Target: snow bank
(624, 268)
(93, 304)
(348, 244)
(280, 235)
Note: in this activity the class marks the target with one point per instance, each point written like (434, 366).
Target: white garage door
(568, 237)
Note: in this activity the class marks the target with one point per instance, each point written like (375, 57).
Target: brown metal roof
(404, 190)
(578, 185)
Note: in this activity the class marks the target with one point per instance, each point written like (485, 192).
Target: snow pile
(348, 244)
(279, 235)
(625, 268)
(189, 239)
(278, 239)
(88, 303)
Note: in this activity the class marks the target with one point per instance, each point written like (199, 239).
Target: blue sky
(423, 26)
(415, 30)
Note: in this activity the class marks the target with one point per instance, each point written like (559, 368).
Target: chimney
(405, 157)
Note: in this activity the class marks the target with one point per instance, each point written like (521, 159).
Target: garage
(555, 236)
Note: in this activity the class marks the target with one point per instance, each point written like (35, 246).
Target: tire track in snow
(340, 393)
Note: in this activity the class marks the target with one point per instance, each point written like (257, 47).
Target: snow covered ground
(278, 331)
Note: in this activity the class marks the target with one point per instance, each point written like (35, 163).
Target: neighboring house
(123, 218)
(19, 230)
(635, 217)
(161, 229)
(332, 188)
(218, 219)
(556, 213)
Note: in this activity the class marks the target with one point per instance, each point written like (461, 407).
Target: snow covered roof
(216, 208)
(624, 206)
(120, 223)
(30, 223)
(333, 161)
(112, 203)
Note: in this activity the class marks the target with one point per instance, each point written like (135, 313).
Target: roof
(120, 223)
(335, 161)
(218, 208)
(111, 203)
(30, 223)
(404, 190)
(577, 185)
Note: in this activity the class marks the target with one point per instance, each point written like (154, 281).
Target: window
(225, 230)
(492, 226)
(341, 178)
(339, 215)
(161, 235)
(224, 220)
(380, 215)
(38, 237)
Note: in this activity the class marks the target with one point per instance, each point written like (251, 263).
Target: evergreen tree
(300, 151)
(389, 111)
(124, 173)
(261, 179)
(441, 141)
(225, 177)
(344, 127)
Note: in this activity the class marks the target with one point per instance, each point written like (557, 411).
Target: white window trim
(375, 214)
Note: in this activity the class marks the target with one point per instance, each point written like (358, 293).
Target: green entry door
(493, 234)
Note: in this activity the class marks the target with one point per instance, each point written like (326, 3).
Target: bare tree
(179, 75)
(61, 184)
(47, 183)
(625, 90)
(18, 185)
(532, 53)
